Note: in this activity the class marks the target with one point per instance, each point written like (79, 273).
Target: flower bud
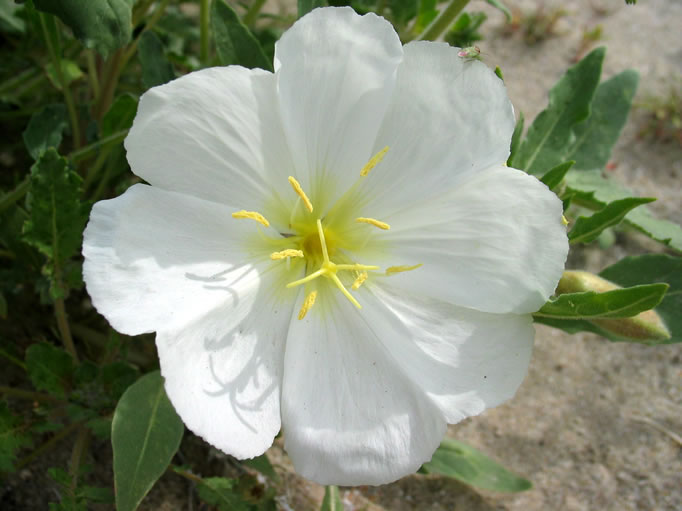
(645, 326)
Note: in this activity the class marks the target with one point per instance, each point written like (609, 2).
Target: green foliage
(75, 497)
(332, 499)
(234, 41)
(13, 437)
(305, 6)
(45, 129)
(468, 465)
(244, 494)
(57, 215)
(516, 141)
(156, 70)
(499, 5)
(70, 73)
(555, 177)
(145, 434)
(262, 464)
(588, 229)
(104, 25)
(10, 21)
(464, 32)
(120, 116)
(49, 368)
(618, 303)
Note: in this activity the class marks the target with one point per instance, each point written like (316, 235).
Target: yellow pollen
(398, 269)
(359, 281)
(564, 220)
(307, 304)
(373, 161)
(297, 188)
(289, 252)
(374, 222)
(253, 215)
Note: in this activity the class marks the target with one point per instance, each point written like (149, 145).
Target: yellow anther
(359, 281)
(253, 215)
(307, 304)
(373, 161)
(289, 252)
(398, 269)
(297, 188)
(374, 222)
(564, 220)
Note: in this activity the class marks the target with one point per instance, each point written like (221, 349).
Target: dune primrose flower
(336, 250)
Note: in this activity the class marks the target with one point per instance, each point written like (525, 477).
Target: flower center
(321, 249)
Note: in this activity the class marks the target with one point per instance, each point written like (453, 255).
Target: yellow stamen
(374, 222)
(253, 215)
(373, 161)
(398, 269)
(297, 188)
(289, 252)
(359, 281)
(307, 304)
(564, 220)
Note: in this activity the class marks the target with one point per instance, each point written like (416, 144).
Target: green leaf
(104, 25)
(45, 129)
(9, 21)
(220, 492)
(332, 499)
(636, 270)
(262, 464)
(551, 134)
(618, 303)
(49, 368)
(427, 13)
(516, 140)
(156, 70)
(145, 435)
(402, 11)
(57, 215)
(120, 116)
(595, 137)
(70, 73)
(588, 229)
(468, 465)
(595, 190)
(305, 6)
(234, 42)
(554, 177)
(12, 438)
(499, 5)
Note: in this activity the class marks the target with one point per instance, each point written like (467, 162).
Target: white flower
(263, 209)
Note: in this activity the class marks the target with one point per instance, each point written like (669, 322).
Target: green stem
(12, 83)
(109, 80)
(204, 30)
(186, 475)
(79, 449)
(94, 169)
(49, 27)
(92, 73)
(47, 446)
(158, 12)
(27, 394)
(441, 23)
(91, 336)
(19, 191)
(252, 14)
(13, 359)
(103, 143)
(62, 321)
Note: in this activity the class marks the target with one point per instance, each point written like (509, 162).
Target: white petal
(215, 134)
(223, 371)
(494, 243)
(464, 360)
(447, 117)
(349, 415)
(156, 259)
(335, 73)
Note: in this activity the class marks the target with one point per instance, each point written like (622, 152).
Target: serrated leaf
(554, 177)
(596, 190)
(145, 434)
(635, 270)
(589, 228)
(70, 73)
(57, 215)
(516, 140)
(305, 6)
(219, 492)
(12, 438)
(45, 129)
(618, 303)
(500, 6)
(595, 137)
(49, 368)
(156, 70)
(120, 116)
(332, 499)
(104, 25)
(551, 135)
(468, 465)
(234, 41)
